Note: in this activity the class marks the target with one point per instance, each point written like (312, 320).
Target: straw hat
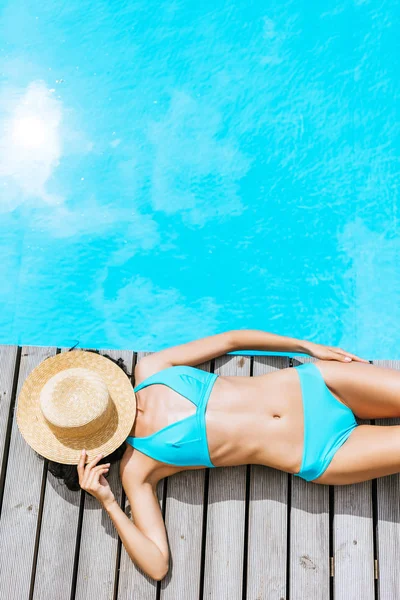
(76, 400)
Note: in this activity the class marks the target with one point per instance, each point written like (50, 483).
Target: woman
(300, 420)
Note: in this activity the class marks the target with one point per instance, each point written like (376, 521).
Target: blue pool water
(173, 170)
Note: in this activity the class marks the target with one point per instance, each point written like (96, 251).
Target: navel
(277, 416)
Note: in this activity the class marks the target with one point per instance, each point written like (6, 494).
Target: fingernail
(83, 452)
(348, 358)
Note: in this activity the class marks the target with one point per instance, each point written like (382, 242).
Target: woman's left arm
(204, 349)
(190, 354)
(254, 339)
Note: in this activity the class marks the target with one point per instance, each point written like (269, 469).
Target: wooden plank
(57, 542)
(353, 542)
(56, 553)
(353, 545)
(19, 519)
(133, 583)
(267, 533)
(99, 540)
(223, 569)
(8, 358)
(309, 535)
(184, 523)
(388, 526)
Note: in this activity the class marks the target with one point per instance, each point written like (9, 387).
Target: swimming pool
(172, 170)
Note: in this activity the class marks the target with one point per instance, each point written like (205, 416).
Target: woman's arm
(145, 540)
(191, 354)
(143, 551)
(255, 339)
(199, 351)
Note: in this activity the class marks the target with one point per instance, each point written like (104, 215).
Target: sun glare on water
(30, 132)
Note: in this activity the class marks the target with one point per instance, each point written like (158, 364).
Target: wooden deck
(239, 532)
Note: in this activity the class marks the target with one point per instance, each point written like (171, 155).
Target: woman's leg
(371, 392)
(370, 451)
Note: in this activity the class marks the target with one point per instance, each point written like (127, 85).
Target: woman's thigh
(370, 451)
(371, 392)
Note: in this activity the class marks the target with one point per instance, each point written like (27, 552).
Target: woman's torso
(249, 420)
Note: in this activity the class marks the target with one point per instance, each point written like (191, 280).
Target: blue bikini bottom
(327, 422)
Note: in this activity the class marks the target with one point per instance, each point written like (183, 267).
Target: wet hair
(69, 473)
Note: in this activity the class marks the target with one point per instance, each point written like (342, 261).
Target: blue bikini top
(183, 443)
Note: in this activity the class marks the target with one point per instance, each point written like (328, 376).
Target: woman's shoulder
(148, 366)
(142, 468)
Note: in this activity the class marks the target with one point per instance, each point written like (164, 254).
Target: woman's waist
(268, 440)
(263, 396)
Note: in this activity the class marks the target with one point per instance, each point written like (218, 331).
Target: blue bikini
(327, 422)
(183, 443)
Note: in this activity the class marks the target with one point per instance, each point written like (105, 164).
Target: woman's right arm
(145, 540)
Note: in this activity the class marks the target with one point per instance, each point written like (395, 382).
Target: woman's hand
(92, 480)
(331, 353)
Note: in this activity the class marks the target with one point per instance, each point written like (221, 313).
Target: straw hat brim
(67, 450)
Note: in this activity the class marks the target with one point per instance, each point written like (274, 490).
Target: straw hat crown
(75, 401)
